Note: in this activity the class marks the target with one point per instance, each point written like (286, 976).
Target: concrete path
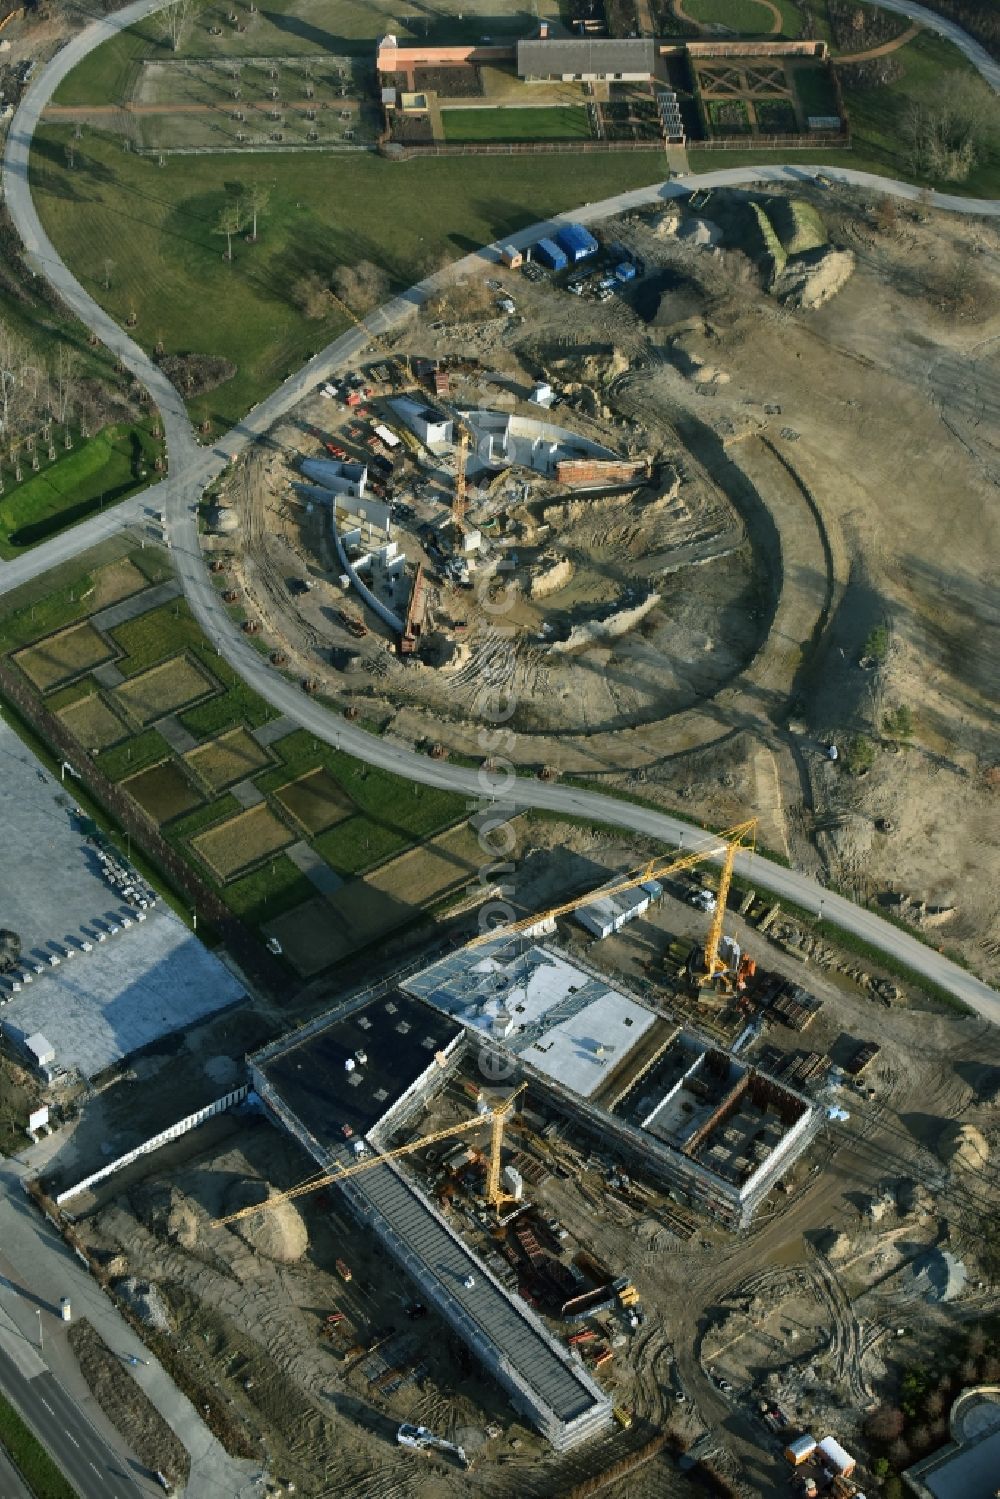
(139, 603)
(308, 862)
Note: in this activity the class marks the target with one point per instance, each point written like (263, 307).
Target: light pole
(38, 1314)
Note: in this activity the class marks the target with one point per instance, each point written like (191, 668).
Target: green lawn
(815, 88)
(745, 17)
(99, 471)
(876, 114)
(39, 1472)
(503, 125)
(324, 210)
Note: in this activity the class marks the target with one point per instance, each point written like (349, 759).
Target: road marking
(96, 1469)
(46, 1405)
(73, 1439)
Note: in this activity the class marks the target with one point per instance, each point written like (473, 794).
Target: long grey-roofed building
(408, 1048)
(628, 60)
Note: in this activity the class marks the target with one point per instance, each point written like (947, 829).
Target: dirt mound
(277, 1232)
(963, 1145)
(810, 280)
(182, 1222)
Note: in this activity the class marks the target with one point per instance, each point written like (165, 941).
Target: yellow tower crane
(714, 965)
(728, 843)
(496, 1118)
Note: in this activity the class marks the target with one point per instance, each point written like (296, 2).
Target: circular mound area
(963, 1145)
(277, 1231)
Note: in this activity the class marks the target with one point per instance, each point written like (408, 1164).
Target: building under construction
(347, 1082)
(715, 1131)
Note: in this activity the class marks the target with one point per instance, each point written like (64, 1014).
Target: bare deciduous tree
(175, 19)
(255, 201)
(362, 286)
(65, 377)
(230, 222)
(311, 296)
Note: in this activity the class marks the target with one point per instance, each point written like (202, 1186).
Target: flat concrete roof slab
(560, 1014)
(580, 1052)
(970, 1473)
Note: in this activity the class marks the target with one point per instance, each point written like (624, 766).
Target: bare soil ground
(92, 723)
(127, 1406)
(226, 759)
(835, 476)
(163, 791)
(315, 801)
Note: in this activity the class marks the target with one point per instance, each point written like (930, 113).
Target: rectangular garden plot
(164, 688)
(163, 791)
(315, 801)
(232, 757)
(326, 929)
(241, 841)
(92, 723)
(62, 656)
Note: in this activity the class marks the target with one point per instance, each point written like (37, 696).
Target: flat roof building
(961, 1470)
(611, 912)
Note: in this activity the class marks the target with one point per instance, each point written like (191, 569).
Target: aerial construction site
(663, 1182)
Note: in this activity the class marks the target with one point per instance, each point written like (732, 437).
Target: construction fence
(172, 1132)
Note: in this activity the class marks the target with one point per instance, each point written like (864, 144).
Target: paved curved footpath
(192, 466)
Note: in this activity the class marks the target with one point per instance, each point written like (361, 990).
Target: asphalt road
(191, 467)
(90, 1465)
(12, 1485)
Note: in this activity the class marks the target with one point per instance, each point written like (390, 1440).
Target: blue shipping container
(625, 271)
(578, 242)
(549, 253)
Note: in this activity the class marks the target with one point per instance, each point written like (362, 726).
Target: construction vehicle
(495, 1195)
(714, 971)
(351, 622)
(622, 1416)
(420, 1439)
(344, 1271)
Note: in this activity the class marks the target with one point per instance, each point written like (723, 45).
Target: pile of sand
(962, 1145)
(182, 1221)
(277, 1231)
(810, 280)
